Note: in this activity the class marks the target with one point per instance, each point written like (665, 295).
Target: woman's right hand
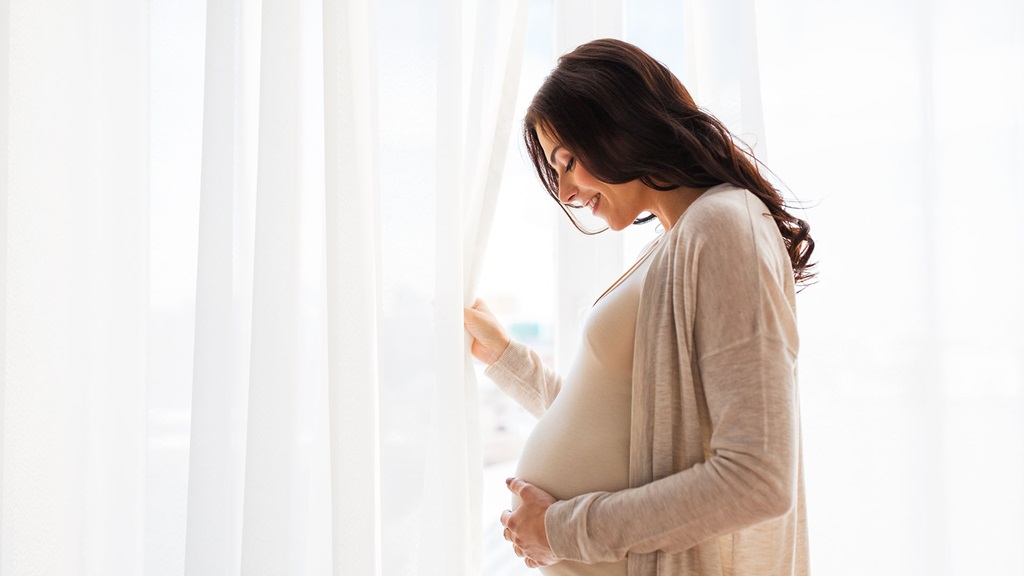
(489, 337)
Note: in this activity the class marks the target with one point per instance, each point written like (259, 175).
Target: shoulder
(721, 210)
(727, 228)
(724, 218)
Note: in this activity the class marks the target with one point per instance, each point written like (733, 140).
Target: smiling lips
(593, 202)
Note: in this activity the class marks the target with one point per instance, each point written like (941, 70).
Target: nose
(567, 189)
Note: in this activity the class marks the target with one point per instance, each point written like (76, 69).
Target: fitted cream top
(581, 444)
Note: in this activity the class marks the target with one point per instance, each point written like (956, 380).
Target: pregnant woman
(672, 444)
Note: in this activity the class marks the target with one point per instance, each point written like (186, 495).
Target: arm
(522, 375)
(745, 482)
(517, 370)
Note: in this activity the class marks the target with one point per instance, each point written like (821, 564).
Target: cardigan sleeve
(521, 374)
(732, 289)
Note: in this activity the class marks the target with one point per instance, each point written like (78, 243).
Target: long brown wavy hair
(626, 117)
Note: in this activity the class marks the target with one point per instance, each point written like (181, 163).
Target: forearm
(670, 515)
(751, 475)
(522, 375)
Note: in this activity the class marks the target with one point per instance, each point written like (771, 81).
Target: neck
(670, 205)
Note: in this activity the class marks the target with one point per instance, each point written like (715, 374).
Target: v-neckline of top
(646, 254)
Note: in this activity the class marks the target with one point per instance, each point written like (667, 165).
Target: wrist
(499, 351)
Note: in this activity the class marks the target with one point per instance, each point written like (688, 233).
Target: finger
(507, 534)
(470, 316)
(516, 485)
(504, 518)
(530, 563)
(477, 323)
(519, 551)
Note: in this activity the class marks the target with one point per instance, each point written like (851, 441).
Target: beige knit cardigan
(716, 476)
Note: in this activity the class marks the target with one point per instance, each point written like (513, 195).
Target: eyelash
(570, 164)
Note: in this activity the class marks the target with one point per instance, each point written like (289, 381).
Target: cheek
(583, 178)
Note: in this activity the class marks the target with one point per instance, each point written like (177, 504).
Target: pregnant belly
(569, 456)
(581, 445)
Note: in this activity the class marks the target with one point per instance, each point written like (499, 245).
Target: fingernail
(508, 481)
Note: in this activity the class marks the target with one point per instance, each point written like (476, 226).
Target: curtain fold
(223, 301)
(271, 529)
(75, 379)
(470, 153)
(447, 542)
(722, 71)
(5, 31)
(350, 110)
(503, 27)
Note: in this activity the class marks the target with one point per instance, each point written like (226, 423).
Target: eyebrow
(553, 153)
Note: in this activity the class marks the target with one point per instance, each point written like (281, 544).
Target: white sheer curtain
(75, 134)
(471, 146)
(248, 440)
(324, 329)
(900, 125)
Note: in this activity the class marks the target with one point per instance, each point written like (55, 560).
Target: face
(617, 204)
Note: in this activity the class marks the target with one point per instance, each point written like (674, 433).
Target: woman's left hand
(525, 528)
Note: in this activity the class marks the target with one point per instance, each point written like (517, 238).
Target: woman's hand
(489, 337)
(524, 528)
